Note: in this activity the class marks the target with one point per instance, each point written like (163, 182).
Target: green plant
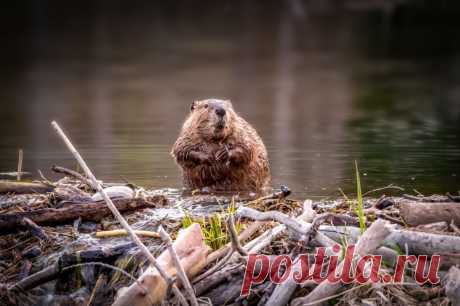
(359, 209)
(214, 230)
(187, 220)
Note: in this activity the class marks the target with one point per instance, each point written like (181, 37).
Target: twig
(47, 181)
(20, 157)
(391, 186)
(112, 208)
(296, 224)
(273, 215)
(180, 270)
(236, 246)
(98, 284)
(74, 174)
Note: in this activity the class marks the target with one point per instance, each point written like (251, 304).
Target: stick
(236, 246)
(74, 174)
(180, 270)
(296, 224)
(20, 156)
(122, 232)
(24, 187)
(112, 207)
(273, 215)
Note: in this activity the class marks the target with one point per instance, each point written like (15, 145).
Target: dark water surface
(324, 84)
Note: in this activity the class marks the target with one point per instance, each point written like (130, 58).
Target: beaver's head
(212, 119)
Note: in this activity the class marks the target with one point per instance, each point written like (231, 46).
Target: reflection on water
(324, 84)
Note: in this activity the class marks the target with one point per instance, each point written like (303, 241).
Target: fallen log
(416, 213)
(95, 211)
(24, 187)
(151, 288)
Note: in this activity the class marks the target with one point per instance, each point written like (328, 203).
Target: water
(324, 85)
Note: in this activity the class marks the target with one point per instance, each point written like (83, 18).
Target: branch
(112, 207)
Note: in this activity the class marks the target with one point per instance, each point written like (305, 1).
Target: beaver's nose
(220, 111)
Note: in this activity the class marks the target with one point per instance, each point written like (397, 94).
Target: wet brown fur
(221, 154)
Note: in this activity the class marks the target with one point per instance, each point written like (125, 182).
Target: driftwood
(371, 239)
(24, 187)
(87, 211)
(151, 288)
(416, 213)
(301, 228)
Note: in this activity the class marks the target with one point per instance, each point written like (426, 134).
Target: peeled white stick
(114, 209)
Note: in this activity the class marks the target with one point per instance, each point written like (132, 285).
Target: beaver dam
(60, 244)
(80, 241)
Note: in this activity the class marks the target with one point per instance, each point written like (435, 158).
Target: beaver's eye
(206, 106)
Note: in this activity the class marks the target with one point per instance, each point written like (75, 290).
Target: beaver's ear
(193, 105)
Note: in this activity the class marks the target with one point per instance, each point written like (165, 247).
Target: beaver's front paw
(222, 155)
(198, 158)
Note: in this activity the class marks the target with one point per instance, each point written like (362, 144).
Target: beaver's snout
(220, 111)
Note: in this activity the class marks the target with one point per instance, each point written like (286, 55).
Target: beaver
(219, 150)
